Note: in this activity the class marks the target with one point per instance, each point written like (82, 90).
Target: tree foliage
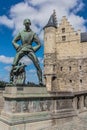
(2, 84)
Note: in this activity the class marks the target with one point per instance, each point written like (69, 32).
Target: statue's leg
(33, 57)
(18, 56)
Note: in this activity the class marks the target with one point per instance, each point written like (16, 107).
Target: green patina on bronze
(26, 36)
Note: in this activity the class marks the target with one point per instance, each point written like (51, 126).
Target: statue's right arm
(15, 40)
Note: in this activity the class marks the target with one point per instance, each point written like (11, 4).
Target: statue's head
(27, 21)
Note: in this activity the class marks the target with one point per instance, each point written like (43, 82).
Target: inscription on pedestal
(20, 88)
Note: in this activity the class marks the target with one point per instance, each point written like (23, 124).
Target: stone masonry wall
(68, 67)
(72, 74)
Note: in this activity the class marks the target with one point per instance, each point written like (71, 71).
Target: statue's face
(27, 25)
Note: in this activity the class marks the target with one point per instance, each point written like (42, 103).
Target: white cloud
(9, 60)
(78, 7)
(77, 22)
(5, 59)
(26, 60)
(4, 20)
(40, 60)
(39, 12)
(36, 2)
(7, 68)
(19, 12)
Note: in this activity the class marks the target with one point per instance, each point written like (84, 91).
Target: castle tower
(50, 52)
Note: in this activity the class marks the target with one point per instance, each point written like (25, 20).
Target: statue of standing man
(26, 36)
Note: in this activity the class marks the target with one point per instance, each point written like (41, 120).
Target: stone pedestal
(34, 108)
(1, 99)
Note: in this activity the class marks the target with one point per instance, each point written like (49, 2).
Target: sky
(12, 14)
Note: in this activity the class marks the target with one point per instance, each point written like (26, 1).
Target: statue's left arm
(15, 40)
(37, 41)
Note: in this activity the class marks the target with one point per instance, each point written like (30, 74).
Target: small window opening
(80, 67)
(80, 80)
(61, 68)
(63, 38)
(54, 67)
(70, 81)
(70, 68)
(76, 33)
(63, 30)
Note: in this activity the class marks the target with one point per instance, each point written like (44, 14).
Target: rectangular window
(80, 80)
(63, 30)
(69, 68)
(70, 81)
(80, 67)
(63, 38)
(61, 68)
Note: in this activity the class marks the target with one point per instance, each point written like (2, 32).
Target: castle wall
(73, 49)
(72, 74)
(65, 58)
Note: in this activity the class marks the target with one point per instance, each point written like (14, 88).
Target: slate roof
(52, 22)
(83, 37)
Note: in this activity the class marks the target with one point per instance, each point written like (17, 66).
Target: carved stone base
(35, 107)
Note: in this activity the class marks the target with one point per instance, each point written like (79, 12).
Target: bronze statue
(27, 36)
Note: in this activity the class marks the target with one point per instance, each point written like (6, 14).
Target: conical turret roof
(52, 22)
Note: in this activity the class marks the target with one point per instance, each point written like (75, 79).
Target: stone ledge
(18, 118)
(15, 119)
(33, 92)
(25, 92)
(64, 113)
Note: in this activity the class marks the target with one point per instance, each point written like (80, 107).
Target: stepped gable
(65, 24)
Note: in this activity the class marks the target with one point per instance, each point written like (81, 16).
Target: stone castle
(65, 56)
